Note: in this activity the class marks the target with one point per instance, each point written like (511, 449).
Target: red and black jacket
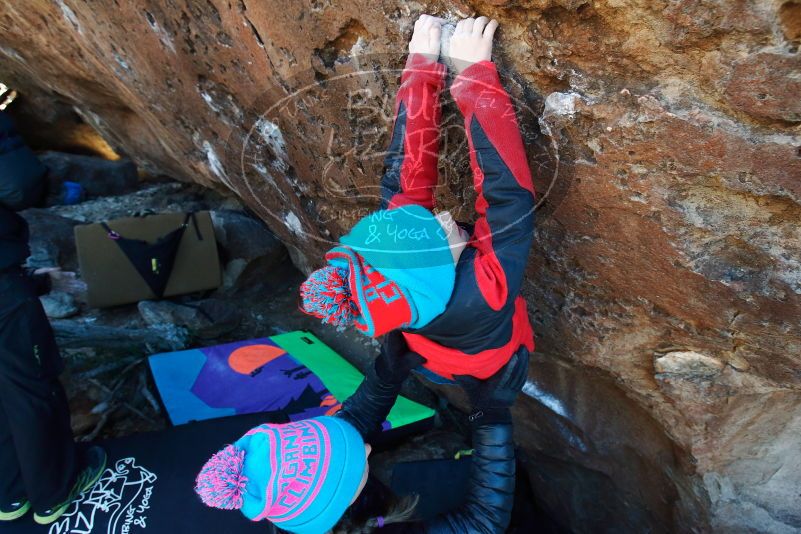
(485, 321)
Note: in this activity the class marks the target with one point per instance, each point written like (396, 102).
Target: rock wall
(665, 283)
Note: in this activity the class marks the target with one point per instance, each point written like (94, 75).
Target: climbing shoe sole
(16, 514)
(80, 486)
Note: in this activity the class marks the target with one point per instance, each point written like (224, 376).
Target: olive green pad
(113, 280)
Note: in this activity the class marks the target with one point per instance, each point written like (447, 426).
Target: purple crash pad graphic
(259, 376)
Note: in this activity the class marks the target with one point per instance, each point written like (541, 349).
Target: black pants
(37, 451)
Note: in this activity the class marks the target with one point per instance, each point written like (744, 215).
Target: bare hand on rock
(472, 42)
(426, 37)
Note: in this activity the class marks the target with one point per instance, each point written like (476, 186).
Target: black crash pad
(148, 486)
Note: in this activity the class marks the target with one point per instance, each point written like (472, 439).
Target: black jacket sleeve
(487, 508)
(21, 172)
(488, 505)
(369, 406)
(41, 283)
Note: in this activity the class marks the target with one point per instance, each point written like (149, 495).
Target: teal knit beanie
(301, 476)
(393, 270)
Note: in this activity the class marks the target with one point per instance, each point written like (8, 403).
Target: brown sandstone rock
(767, 86)
(671, 226)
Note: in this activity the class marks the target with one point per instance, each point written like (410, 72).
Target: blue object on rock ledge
(73, 193)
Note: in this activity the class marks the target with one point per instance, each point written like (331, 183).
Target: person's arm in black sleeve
(42, 284)
(21, 172)
(369, 406)
(487, 507)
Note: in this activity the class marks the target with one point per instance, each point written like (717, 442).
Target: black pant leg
(32, 398)
(11, 488)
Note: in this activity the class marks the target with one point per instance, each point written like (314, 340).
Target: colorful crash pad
(294, 374)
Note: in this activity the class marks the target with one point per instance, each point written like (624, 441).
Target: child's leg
(410, 166)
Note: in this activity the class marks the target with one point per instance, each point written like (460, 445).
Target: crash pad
(113, 280)
(294, 374)
(147, 486)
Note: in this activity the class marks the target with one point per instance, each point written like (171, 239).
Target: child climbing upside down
(457, 301)
(456, 298)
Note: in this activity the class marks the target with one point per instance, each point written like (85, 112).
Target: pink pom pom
(221, 483)
(326, 294)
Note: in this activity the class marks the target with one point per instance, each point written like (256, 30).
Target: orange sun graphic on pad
(245, 360)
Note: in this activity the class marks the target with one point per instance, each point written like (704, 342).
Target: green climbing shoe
(95, 461)
(14, 510)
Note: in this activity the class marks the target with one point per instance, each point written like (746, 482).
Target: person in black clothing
(309, 476)
(40, 466)
(487, 506)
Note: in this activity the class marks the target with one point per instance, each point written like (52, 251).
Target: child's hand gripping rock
(426, 37)
(471, 42)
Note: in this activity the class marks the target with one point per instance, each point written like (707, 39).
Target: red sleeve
(410, 166)
(502, 179)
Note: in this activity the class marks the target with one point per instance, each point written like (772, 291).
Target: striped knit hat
(393, 270)
(301, 476)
